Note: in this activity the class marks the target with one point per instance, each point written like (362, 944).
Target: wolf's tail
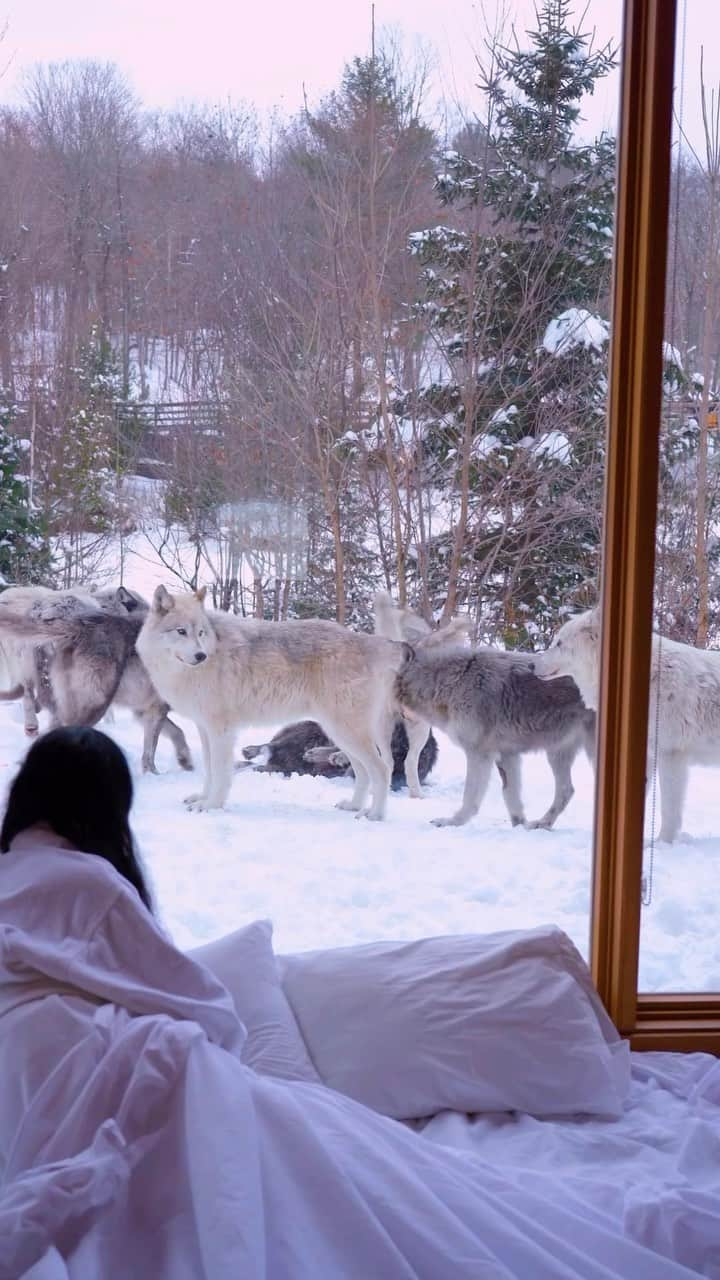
(387, 616)
(20, 627)
(455, 632)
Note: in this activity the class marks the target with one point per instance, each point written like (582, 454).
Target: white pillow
(244, 962)
(497, 1022)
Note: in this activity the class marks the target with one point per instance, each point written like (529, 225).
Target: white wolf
(684, 723)
(223, 672)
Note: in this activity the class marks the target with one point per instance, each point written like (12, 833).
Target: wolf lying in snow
(684, 723)
(84, 659)
(305, 748)
(493, 706)
(224, 671)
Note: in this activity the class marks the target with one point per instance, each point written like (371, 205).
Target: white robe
(134, 1145)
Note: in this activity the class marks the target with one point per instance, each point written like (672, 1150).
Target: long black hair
(77, 782)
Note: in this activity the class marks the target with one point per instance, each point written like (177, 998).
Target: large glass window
(359, 346)
(679, 950)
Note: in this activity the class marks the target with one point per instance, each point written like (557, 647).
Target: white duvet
(134, 1145)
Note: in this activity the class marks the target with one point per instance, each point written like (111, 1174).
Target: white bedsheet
(135, 1145)
(654, 1174)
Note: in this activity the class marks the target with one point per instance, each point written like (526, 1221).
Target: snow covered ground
(281, 850)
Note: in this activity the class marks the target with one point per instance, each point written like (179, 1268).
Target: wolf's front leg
(476, 780)
(357, 800)
(217, 783)
(198, 798)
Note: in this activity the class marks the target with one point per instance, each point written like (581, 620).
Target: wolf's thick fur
(305, 748)
(684, 723)
(19, 658)
(224, 671)
(493, 706)
(400, 623)
(85, 661)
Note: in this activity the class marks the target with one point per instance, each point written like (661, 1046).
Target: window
(675, 1020)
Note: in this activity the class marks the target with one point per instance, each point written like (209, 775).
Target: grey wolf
(18, 654)
(305, 748)
(224, 671)
(684, 723)
(84, 661)
(492, 705)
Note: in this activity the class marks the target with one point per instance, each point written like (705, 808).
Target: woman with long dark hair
(76, 783)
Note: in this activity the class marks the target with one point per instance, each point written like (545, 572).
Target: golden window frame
(681, 1022)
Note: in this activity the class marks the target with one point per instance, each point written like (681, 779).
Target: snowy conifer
(514, 293)
(24, 554)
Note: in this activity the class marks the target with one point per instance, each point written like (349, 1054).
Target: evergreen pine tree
(24, 551)
(514, 294)
(84, 483)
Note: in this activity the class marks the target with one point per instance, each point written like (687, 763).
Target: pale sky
(264, 52)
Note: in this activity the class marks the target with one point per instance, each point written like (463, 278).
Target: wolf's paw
(349, 806)
(186, 763)
(148, 766)
(416, 795)
(540, 824)
(446, 822)
(370, 815)
(202, 804)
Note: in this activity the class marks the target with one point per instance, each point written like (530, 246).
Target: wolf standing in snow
(684, 724)
(493, 706)
(223, 672)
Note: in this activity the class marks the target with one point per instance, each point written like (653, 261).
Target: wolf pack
(351, 703)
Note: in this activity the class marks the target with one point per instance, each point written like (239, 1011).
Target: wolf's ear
(595, 621)
(162, 602)
(200, 594)
(126, 599)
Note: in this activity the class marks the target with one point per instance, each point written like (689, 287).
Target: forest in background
(385, 350)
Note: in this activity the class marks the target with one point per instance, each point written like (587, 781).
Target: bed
(648, 1170)
(456, 1108)
(653, 1173)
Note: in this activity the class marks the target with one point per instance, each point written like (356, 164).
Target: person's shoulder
(43, 879)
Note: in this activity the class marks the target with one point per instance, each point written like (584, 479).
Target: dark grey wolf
(684, 724)
(85, 661)
(493, 705)
(304, 748)
(224, 671)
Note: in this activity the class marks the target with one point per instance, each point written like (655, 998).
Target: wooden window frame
(673, 1021)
